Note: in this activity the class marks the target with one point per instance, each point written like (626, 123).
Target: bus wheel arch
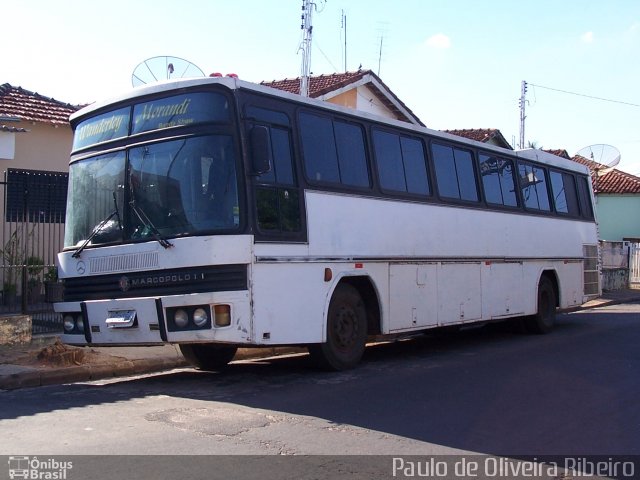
(552, 276)
(353, 314)
(547, 301)
(370, 297)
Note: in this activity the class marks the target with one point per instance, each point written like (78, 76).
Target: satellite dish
(607, 156)
(157, 69)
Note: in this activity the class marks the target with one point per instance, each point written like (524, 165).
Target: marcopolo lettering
(165, 279)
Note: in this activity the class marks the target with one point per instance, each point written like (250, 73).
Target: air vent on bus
(590, 269)
(124, 263)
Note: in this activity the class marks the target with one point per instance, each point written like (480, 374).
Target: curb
(599, 304)
(84, 373)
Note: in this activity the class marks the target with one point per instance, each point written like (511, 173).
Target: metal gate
(634, 265)
(31, 235)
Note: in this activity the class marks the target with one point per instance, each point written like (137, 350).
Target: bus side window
(533, 184)
(565, 198)
(455, 174)
(319, 148)
(334, 151)
(401, 163)
(585, 198)
(497, 180)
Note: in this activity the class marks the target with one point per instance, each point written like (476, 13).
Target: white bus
(216, 213)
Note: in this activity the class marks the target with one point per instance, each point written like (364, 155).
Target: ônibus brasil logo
(34, 468)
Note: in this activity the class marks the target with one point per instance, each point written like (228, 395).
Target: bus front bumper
(197, 318)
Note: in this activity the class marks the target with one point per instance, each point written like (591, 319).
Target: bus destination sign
(174, 111)
(181, 110)
(102, 128)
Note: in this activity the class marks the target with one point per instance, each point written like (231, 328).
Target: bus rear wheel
(544, 319)
(346, 331)
(206, 356)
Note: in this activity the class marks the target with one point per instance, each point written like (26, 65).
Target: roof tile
(323, 84)
(612, 181)
(481, 135)
(30, 106)
(318, 85)
(560, 152)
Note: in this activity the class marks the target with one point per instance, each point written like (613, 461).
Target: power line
(586, 96)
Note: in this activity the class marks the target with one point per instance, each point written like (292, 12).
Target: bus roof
(233, 83)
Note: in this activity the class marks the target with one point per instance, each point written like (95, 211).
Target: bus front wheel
(206, 356)
(346, 331)
(544, 319)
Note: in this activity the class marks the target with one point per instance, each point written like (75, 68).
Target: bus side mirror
(260, 141)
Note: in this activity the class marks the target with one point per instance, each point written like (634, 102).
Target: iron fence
(32, 233)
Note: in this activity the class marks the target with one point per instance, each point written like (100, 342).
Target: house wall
(345, 99)
(42, 147)
(366, 101)
(618, 216)
(363, 99)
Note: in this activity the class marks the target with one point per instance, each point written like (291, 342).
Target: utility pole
(523, 101)
(307, 29)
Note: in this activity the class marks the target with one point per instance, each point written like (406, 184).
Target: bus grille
(124, 263)
(155, 283)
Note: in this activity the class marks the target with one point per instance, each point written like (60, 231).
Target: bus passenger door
(413, 298)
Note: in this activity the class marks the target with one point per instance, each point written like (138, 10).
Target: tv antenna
(157, 69)
(606, 156)
(305, 46)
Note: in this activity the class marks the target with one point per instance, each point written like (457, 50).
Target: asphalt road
(491, 390)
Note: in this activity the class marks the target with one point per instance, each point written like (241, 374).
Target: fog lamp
(222, 315)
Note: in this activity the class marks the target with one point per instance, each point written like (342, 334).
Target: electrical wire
(586, 96)
(325, 56)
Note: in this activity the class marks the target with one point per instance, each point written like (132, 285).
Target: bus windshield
(166, 189)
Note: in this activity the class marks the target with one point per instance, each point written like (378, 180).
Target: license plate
(121, 319)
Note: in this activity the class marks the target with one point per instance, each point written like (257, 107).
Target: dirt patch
(54, 355)
(61, 355)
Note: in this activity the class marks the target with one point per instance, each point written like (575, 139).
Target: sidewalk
(45, 362)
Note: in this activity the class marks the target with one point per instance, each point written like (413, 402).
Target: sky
(455, 63)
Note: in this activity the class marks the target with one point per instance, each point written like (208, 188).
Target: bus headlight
(200, 317)
(181, 318)
(79, 324)
(193, 317)
(68, 323)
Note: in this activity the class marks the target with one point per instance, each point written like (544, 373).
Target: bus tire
(346, 331)
(543, 321)
(207, 356)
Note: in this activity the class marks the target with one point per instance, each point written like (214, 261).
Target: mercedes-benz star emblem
(124, 284)
(81, 267)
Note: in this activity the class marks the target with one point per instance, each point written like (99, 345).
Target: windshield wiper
(148, 224)
(98, 228)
